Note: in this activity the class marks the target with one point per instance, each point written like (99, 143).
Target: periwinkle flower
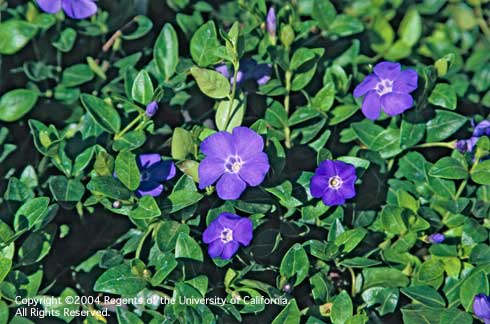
(226, 233)
(271, 22)
(151, 109)
(387, 89)
(479, 130)
(334, 182)
(249, 70)
(437, 238)
(153, 171)
(233, 161)
(481, 307)
(76, 9)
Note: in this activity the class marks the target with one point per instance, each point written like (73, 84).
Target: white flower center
(226, 235)
(384, 86)
(335, 182)
(233, 164)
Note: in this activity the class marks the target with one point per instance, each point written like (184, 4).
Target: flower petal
(162, 171)
(79, 9)
(230, 186)
(228, 220)
(345, 171)
(212, 232)
(223, 69)
(395, 103)
(369, 83)
(247, 142)
(147, 160)
(229, 250)
(348, 190)
(333, 198)
(219, 144)
(327, 168)
(254, 170)
(318, 185)
(149, 188)
(49, 6)
(371, 106)
(210, 169)
(243, 232)
(481, 306)
(215, 249)
(406, 82)
(387, 70)
(482, 129)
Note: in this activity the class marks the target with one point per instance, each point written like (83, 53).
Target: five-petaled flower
(153, 171)
(226, 233)
(468, 145)
(481, 307)
(76, 9)
(249, 70)
(334, 182)
(387, 89)
(151, 109)
(436, 238)
(233, 160)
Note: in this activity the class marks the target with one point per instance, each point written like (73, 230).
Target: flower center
(384, 86)
(226, 235)
(233, 164)
(145, 176)
(335, 182)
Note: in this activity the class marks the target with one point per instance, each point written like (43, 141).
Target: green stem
(236, 67)
(353, 282)
(142, 240)
(130, 125)
(287, 130)
(450, 145)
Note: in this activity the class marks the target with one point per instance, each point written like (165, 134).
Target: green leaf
(324, 98)
(346, 25)
(109, 187)
(30, 213)
(144, 27)
(5, 265)
(481, 173)
(167, 234)
(16, 103)
(211, 83)
(289, 315)
(187, 247)
(120, 280)
(348, 240)
(444, 96)
(147, 208)
(449, 168)
(295, 264)
(126, 317)
(410, 28)
(474, 284)
(342, 308)
(14, 35)
(425, 295)
(66, 190)
(166, 51)
(127, 170)
(323, 12)
(66, 40)
(36, 246)
(384, 277)
(382, 34)
(387, 298)
(203, 45)
(76, 75)
(182, 144)
(228, 117)
(142, 90)
(103, 114)
(444, 125)
(180, 199)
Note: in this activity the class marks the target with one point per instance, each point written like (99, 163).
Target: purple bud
(287, 288)
(481, 307)
(482, 129)
(223, 69)
(437, 238)
(151, 109)
(271, 22)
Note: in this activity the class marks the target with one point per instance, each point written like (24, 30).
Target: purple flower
(333, 182)
(479, 130)
(249, 70)
(481, 307)
(271, 22)
(437, 238)
(76, 9)
(387, 89)
(225, 235)
(234, 161)
(153, 172)
(151, 109)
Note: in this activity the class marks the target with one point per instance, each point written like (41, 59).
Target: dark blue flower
(153, 172)
(249, 70)
(437, 238)
(226, 233)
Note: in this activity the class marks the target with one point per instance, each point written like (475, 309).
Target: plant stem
(236, 67)
(450, 145)
(287, 130)
(127, 128)
(142, 240)
(353, 282)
